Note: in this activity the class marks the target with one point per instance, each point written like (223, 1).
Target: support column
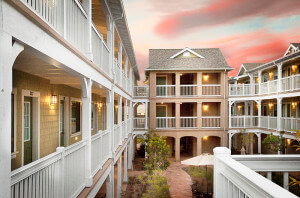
(146, 115)
(86, 97)
(177, 115)
(199, 83)
(119, 180)
(246, 108)
(177, 149)
(229, 109)
(125, 178)
(87, 5)
(177, 83)
(199, 145)
(130, 157)
(279, 113)
(120, 61)
(286, 180)
(259, 112)
(8, 53)
(279, 69)
(110, 119)
(110, 43)
(259, 82)
(229, 140)
(120, 118)
(199, 115)
(110, 183)
(252, 84)
(269, 175)
(126, 117)
(258, 142)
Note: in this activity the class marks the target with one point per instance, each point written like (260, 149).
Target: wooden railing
(188, 122)
(139, 123)
(244, 121)
(165, 90)
(211, 90)
(211, 122)
(165, 122)
(188, 90)
(141, 91)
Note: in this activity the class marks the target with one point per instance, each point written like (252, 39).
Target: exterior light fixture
(76, 138)
(205, 138)
(294, 67)
(240, 106)
(205, 107)
(116, 106)
(205, 77)
(161, 103)
(270, 105)
(270, 74)
(294, 104)
(100, 105)
(288, 141)
(53, 100)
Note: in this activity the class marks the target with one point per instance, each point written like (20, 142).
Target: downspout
(224, 103)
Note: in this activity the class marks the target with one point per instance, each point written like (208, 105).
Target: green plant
(157, 153)
(246, 138)
(274, 143)
(157, 186)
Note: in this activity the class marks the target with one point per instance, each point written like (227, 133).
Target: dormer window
(186, 54)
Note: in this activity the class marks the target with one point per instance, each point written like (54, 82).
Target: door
(27, 130)
(62, 123)
(265, 110)
(161, 90)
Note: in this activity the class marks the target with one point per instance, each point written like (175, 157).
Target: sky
(246, 31)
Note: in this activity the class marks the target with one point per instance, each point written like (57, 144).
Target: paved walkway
(180, 182)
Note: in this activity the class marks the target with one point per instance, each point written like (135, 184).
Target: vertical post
(259, 82)
(251, 114)
(88, 8)
(199, 145)
(119, 180)
(177, 83)
(86, 90)
(259, 112)
(110, 42)
(61, 184)
(177, 149)
(126, 117)
(199, 83)
(269, 175)
(130, 154)
(252, 85)
(258, 142)
(229, 109)
(120, 118)
(110, 183)
(177, 115)
(279, 113)
(130, 116)
(199, 115)
(120, 62)
(146, 115)
(125, 178)
(110, 118)
(286, 180)
(279, 82)
(219, 152)
(229, 140)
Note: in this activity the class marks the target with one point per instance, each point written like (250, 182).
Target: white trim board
(184, 50)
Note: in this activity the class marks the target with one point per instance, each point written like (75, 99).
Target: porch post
(258, 142)
(110, 183)
(8, 54)
(146, 115)
(229, 140)
(110, 42)
(199, 145)
(259, 82)
(177, 149)
(177, 83)
(119, 181)
(126, 117)
(259, 112)
(199, 115)
(177, 115)
(86, 90)
(120, 62)
(110, 118)
(286, 180)
(130, 154)
(252, 84)
(199, 83)
(120, 118)
(125, 178)
(279, 113)
(229, 113)
(279, 69)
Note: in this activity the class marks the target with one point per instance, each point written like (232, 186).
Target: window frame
(14, 153)
(73, 134)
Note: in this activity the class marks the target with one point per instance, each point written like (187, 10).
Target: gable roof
(247, 66)
(184, 50)
(294, 46)
(213, 59)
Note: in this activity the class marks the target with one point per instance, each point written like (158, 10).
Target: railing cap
(221, 151)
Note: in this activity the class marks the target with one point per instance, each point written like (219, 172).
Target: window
(265, 77)
(265, 110)
(275, 75)
(288, 110)
(275, 110)
(26, 121)
(75, 116)
(92, 116)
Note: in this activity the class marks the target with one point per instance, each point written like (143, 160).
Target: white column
(279, 69)
(125, 178)
(229, 140)
(146, 115)
(259, 83)
(286, 180)
(125, 116)
(120, 118)
(8, 54)
(279, 113)
(119, 181)
(229, 113)
(126, 67)
(246, 108)
(110, 118)
(110, 42)
(269, 175)
(252, 84)
(258, 142)
(130, 154)
(87, 5)
(110, 183)
(259, 112)
(86, 90)
(130, 117)
(120, 61)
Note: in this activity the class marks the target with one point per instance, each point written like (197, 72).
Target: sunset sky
(245, 30)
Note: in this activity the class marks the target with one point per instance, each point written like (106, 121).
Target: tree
(246, 138)
(157, 152)
(274, 143)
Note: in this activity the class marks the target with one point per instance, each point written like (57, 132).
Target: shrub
(156, 186)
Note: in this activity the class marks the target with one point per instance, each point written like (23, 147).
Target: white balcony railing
(269, 87)
(165, 90)
(139, 123)
(268, 122)
(117, 135)
(188, 90)
(239, 89)
(211, 122)
(60, 174)
(211, 90)
(141, 91)
(100, 142)
(188, 122)
(244, 121)
(290, 124)
(165, 122)
(235, 176)
(290, 83)
(124, 131)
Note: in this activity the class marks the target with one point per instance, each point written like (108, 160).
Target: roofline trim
(186, 49)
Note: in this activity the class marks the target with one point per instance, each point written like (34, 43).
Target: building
(188, 99)
(67, 71)
(264, 99)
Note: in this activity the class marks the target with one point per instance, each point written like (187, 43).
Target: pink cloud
(142, 62)
(223, 12)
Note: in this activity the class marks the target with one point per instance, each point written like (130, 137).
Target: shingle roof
(159, 59)
(249, 66)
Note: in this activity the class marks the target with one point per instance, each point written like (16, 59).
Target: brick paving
(180, 182)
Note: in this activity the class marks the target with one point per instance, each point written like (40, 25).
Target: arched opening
(139, 116)
(209, 143)
(250, 139)
(188, 147)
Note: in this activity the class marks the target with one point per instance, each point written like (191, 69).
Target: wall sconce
(205, 138)
(270, 105)
(205, 77)
(100, 105)
(76, 138)
(294, 104)
(180, 74)
(288, 141)
(116, 106)
(161, 103)
(270, 74)
(239, 107)
(205, 107)
(53, 100)
(256, 106)
(294, 67)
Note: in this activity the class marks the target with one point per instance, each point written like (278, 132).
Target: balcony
(211, 122)
(165, 91)
(188, 122)
(141, 91)
(188, 90)
(165, 122)
(211, 90)
(139, 123)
